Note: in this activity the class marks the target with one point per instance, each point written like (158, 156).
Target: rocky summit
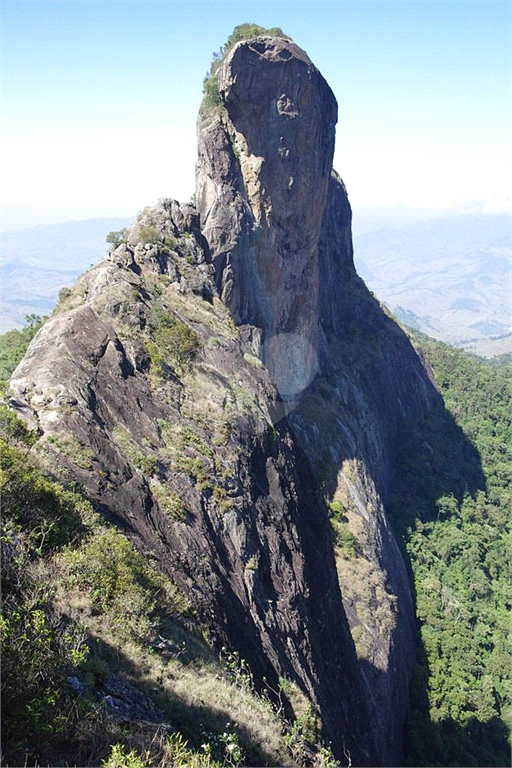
(262, 184)
(223, 382)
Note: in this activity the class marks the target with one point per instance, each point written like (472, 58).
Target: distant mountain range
(36, 263)
(448, 277)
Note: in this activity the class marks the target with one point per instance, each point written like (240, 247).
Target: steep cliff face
(162, 384)
(348, 374)
(262, 183)
(370, 380)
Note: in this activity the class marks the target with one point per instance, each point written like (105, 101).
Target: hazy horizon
(17, 217)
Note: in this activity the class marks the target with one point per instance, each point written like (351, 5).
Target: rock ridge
(223, 376)
(193, 461)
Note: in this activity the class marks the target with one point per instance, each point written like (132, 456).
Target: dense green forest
(451, 512)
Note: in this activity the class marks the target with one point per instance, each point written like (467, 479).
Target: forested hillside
(453, 514)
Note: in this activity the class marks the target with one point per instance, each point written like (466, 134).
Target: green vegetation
(175, 346)
(188, 437)
(70, 584)
(80, 603)
(170, 503)
(452, 512)
(172, 345)
(211, 97)
(149, 235)
(344, 539)
(116, 238)
(500, 360)
(145, 460)
(122, 585)
(193, 467)
(172, 750)
(38, 648)
(68, 578)
(13, 344)
(71, 447)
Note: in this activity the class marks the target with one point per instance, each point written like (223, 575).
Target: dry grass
(214, 316)
(363, 582)
(194, 690)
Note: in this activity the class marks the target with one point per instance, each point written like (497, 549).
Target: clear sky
(100, 98)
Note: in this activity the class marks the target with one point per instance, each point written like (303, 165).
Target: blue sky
(100, 98)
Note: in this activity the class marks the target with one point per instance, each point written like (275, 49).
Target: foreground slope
(222, 375)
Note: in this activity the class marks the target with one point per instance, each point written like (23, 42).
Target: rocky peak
(262, 181)
(278, 223)
(148, 389)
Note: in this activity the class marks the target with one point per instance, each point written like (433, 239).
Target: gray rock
(261, 186)
(126, 704)
(76, 685)
(199, 465)
(278, 222)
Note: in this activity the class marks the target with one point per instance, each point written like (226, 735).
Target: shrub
(119, 758)
(195, 470)
(144, 460)
(174, 750)
(211, 97)
(169, 243)
(190, 438)
(37, 655)
(123, 585)
(70, 446)
(245, 32)
(174, 344)
(40, 507)
(64, 293)
(160, 316)
(150, 235)
(13, 429)
(345, 540)
(39, 646)
(115, 238)
(303, 733)
(337, 511)
(170, 504)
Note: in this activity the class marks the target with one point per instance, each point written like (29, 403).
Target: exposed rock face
(278, 222)
(262, 183)
(168, 413)
(194, 466)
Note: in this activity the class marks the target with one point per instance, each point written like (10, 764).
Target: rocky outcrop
(192, 460)
(278, 222)
(162, 382)
(262, 183)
